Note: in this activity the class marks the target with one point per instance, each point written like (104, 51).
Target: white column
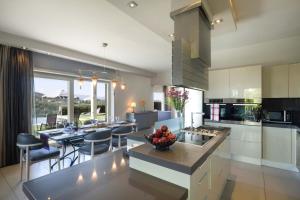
(110, 102)
(71, 101)
(94, 101)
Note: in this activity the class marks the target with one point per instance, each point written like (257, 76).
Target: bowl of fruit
(162, 138)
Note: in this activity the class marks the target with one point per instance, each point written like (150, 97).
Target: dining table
(75, 137)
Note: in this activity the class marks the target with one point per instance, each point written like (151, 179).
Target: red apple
(158, 133)
(155, 140)
(164, 128)
(163, 140)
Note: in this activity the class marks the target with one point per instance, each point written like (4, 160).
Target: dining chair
(96, 143)
(119, 136)
(35, 152)
(51, 122)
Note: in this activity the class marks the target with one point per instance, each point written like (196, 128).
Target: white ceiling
(268, 31)
(83, 25)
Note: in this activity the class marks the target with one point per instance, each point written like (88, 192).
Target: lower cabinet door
(277, 144)
(200, 182)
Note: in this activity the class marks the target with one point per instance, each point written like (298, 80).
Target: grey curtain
(16, 88)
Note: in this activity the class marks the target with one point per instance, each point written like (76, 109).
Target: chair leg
(119, 142)
(49, 165)
(92, 150)
(27, 164)
(58, 162)
(21, 164)
(78, 157)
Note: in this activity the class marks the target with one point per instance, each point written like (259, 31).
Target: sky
(53, 87)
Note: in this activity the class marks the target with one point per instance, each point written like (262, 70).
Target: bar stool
(120, 136)
(96, 143)
(34, 152)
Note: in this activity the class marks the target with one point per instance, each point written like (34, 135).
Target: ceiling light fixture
(132, 4)
(104, 45)
(217, 21)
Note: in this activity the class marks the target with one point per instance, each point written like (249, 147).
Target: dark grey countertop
(182, 157)
(106, 177)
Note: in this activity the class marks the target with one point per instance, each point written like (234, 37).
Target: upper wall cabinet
(218, 84)
(294, 80)
(246, 82)
(276, 81)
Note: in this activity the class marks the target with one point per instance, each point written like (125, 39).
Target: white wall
(194, 104)
(137, 88)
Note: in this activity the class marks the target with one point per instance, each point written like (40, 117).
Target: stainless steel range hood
(191, 51)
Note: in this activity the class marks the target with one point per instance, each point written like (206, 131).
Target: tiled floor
(247, 182)
(251, 182)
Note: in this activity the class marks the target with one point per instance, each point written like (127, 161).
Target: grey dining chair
(119, 136)
(34, 152)
(96, 143)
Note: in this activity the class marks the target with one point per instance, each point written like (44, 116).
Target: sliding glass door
(50, 103)
(52, 99)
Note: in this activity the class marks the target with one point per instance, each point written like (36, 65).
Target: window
(52, 100)
(50, 103)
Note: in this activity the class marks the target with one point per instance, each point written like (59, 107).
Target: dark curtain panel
(17, 88)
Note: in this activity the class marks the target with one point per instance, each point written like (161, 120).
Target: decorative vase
(178, 114)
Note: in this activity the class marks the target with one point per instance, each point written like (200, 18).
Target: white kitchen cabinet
(275, 81)
(218, 86)
(246, 82)
(220, 169)
(294, 80)
(245, 142)
(277, 144)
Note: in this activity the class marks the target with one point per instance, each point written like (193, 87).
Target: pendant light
(104, 45)
(123, 86)
(81, 80)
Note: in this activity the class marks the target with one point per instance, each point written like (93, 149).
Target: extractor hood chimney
(191, 51)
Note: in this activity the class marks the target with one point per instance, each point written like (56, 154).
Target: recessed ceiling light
(217, 21)
(132, 4)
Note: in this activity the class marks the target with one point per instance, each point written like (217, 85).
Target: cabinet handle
(201, 179)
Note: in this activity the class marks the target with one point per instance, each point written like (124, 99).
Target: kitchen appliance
(198, 136)
(191, 48)
(233, 109)
(278, 116)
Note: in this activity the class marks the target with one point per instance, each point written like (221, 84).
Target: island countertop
(182, 157)
(106, 177)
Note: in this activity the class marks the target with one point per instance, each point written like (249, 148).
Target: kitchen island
(202, 169)
(106, 177)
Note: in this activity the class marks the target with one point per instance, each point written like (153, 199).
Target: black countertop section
(182, 157)
(280, 125)
(106, 177)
